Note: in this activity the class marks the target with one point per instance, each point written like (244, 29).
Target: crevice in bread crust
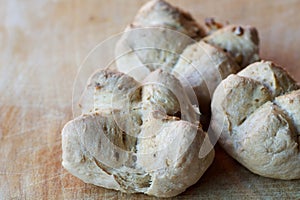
(120, 174)
(278, 72)
(274, 124)
(108, 154)
(273, 100)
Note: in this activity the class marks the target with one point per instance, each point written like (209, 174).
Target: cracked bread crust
(257, 114)
(148, 142)
(155, 39)
(159, 13)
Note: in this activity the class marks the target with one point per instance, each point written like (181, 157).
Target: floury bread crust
(202, 67)
(148, 43)
(159, 13)
(257, 111)
(133, 137)
(164, 37)
(241, 42)
(205, 64)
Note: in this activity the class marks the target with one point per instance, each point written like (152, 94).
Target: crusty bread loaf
(155, 39)
(257, 114)
(136, 137)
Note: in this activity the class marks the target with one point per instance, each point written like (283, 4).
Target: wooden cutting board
(43, 43)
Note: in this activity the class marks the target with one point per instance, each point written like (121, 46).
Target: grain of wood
(42, 44)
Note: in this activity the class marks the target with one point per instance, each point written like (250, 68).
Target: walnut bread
(136, 137)
(162, 36)
(139, 130)
(257, 113)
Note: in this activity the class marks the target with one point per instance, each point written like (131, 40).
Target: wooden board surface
(42, 44)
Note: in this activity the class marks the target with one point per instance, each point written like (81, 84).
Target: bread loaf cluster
(140, 130)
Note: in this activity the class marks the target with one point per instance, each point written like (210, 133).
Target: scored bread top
(257, 114)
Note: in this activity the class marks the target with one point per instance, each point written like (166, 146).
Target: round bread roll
(159, 13)
(155, 39)
(136, 137)
(257, 114)
(241, 42)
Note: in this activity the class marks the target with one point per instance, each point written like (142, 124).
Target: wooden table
(43, 43)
